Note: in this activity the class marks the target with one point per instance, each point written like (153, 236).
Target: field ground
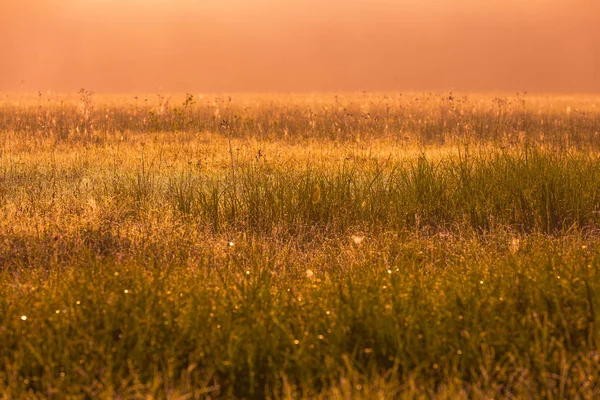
(334, 246)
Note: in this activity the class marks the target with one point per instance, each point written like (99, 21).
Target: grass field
(335, 246)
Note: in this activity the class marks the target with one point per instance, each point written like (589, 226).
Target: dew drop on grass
(358, 239)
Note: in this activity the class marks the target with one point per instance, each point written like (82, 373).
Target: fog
(300, 45)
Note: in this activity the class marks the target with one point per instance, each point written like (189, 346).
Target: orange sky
(300, 45)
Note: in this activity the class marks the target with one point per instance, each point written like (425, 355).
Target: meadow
(429, 245)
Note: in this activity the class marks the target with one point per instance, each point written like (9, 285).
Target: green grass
(237, 260)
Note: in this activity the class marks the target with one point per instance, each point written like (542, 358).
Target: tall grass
(237, 260)
(528, 190)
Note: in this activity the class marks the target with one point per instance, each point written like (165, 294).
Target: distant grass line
(424, 119)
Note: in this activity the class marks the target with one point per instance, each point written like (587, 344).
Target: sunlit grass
(313, 246)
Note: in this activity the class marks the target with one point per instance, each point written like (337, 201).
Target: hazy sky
(300, 45)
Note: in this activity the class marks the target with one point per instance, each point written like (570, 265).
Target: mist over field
(306, 46)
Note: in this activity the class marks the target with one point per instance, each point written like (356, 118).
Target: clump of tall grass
(529, 190)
